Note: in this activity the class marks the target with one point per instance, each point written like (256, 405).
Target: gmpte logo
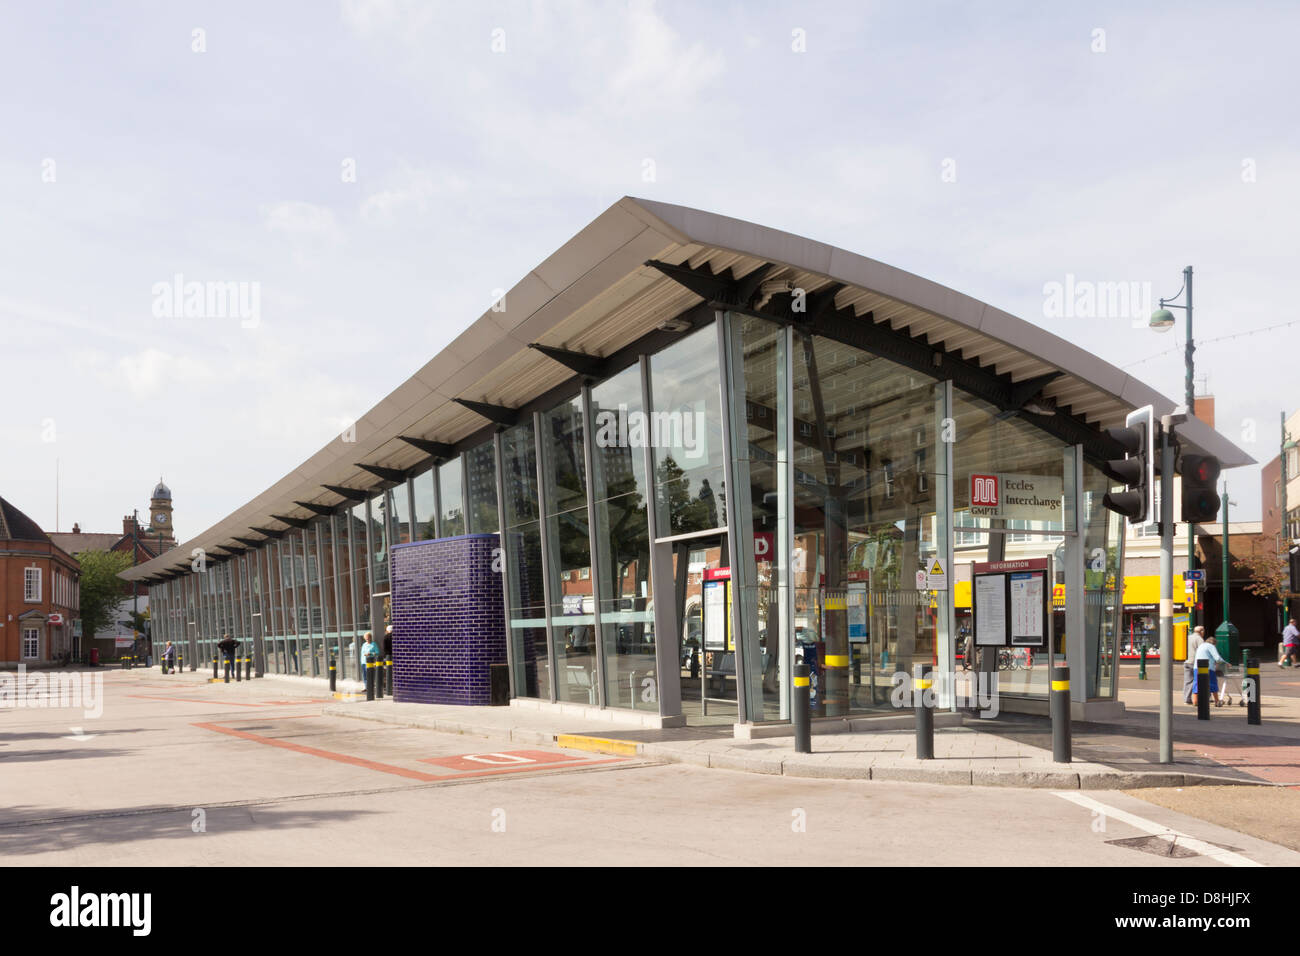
(76, 909)
(53, 690)
(977, 691)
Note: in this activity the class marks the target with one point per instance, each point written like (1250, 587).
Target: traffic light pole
(1166, 591)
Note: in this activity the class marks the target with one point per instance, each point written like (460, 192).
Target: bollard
(379, 679)
(370, 677)
(238, 663)
(248, 668)
(333, 671)
(1203, 688)
(1250, 691)
(215, 675)
(1142, 664)
(226, 669)
(180, 661)
(388, 671)
(923, 701)
(1060, 707)
(802, 710)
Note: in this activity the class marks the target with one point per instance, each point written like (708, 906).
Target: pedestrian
(368, 648)
(228, 649)
(169, 658)
(1194, 642)
(1209, 651)
(388, 642)
(1290, 640)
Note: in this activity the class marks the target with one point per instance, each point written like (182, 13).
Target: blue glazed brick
(448, 620)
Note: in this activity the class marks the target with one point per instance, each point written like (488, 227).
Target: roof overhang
(606, 289)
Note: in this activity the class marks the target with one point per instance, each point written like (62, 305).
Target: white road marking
(80, 734)
(1226, 857)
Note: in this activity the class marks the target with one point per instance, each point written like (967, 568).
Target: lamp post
(1162, 320)
(1225, 633)
(1287, 445)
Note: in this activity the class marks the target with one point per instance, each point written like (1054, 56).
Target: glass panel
(864, 521)
(757, 358)
(400, 510)
(453, 501)
(572, 612)
(424, 505)
(523, 545)
(623, 546)
(481, 489)
(686, 434)
(360, 564)
(519, 461)
(381, 523)
(1103, 534)
(572, 615)
(1007, 474)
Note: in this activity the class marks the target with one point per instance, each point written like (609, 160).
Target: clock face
(160, 518)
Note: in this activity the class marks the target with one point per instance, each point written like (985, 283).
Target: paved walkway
(1012, 750)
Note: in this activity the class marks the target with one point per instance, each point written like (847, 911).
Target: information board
(1010, 602)
(715, 615)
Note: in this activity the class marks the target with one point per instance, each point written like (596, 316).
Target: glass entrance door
(706, 642)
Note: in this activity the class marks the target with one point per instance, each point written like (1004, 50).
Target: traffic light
(1200, 499)
(1136, 470)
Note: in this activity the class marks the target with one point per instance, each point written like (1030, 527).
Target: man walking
(228, 650)
(1290, 640)
(169, 658)
(1194, 642)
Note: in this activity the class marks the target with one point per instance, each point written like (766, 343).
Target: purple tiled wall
(448, 620)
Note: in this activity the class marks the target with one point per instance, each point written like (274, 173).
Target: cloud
(302, 221)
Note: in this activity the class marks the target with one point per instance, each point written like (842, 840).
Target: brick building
(39, 592)
(142, 543)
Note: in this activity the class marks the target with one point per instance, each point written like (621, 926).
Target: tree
(1269, 573)
(101, 588)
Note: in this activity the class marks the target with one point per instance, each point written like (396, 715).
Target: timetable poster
(1027, 615)
(990, 609)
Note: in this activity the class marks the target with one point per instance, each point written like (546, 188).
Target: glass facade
(680, 534)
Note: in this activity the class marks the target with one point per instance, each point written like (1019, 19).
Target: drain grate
(1160, 846)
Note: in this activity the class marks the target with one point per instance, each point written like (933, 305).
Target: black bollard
(388, 672)
(922, 700)
(802, 710)
(370, 677)
(1250, 690)
(333, 672)
(1203, 688)
(180, 661)
(215, 675)
(248, 667)
(226, 670)
(1060, 708)
(379, 679)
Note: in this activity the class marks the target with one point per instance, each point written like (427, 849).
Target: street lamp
(1162, 320)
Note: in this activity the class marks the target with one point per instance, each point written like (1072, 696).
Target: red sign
(55, 619)
(984, 491)
(717, 574)
(764, 545)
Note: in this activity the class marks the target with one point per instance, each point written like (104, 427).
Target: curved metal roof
(599, 293)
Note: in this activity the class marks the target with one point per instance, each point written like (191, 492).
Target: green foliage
(101, 588)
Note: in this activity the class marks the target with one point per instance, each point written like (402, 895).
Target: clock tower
(160, 516)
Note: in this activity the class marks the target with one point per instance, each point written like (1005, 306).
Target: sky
(369, 172)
